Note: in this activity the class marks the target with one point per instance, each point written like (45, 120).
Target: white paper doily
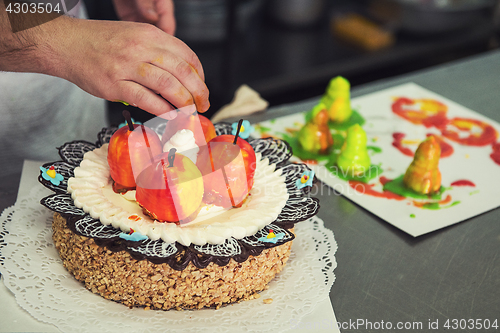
(33, 271)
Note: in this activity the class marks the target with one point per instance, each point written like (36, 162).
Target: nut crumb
(119, 277)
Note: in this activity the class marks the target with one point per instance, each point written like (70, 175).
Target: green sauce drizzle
(355, 118)
(374, 149)
(262, 129)
(397, 186)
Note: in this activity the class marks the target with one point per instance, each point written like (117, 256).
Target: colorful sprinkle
(133, 236)
(272, 237)
(51, 175)
(245, 131)
(305, 180)
(271, 234)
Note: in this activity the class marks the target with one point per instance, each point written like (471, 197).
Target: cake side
(119, 277)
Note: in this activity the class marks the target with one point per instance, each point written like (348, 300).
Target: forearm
(126, 61)
(32, 48)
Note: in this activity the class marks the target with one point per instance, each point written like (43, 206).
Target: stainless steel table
(383, 274)
(386, 275)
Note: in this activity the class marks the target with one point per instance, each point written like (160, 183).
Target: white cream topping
(185, 144)
(91, 190)
(129, 195)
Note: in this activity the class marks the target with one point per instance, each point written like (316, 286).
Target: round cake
(119, 277)
(221, 257)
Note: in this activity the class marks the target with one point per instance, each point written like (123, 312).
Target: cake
(224, 256)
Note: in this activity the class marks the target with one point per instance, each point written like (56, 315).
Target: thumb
(148, 10)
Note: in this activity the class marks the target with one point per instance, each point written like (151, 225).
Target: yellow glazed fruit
(423, 175)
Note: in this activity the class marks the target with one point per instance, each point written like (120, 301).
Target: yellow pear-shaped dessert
(354, 158)
(337, 99)
(315, 136)
(423, 175)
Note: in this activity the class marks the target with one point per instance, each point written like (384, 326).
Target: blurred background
(288, 50)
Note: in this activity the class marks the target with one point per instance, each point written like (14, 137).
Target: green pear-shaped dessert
(315, 136)
(337, 99)
(423, 175)
(354, 159)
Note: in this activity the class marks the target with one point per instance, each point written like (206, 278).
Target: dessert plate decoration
(298, 207)
(396, 121)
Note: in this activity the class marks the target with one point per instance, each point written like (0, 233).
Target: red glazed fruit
(228, 170)
(129, 152)
(170, 191)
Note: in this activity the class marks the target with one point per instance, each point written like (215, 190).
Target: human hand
(157, 12)
(132, 62)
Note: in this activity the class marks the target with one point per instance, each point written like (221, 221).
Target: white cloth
(39, 113)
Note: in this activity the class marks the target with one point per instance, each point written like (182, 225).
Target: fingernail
(171, 115)
(188, 110)
(206, 107)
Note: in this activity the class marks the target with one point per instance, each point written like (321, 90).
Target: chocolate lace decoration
(299, 207)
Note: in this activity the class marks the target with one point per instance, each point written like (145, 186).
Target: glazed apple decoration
(170, 189)
(228, 167)
(131, 149)
(202, 127)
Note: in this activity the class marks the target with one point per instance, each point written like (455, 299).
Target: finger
(147, 9)
(187, 110)
(179, 48)
(166, 20)
(189, 78)
(169, 115)
(165, 84)
(143, 98)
